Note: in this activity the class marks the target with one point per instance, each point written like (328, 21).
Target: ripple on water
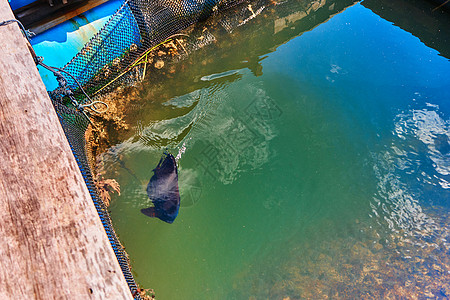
(413, 170)
(428, 133)
(402, 251)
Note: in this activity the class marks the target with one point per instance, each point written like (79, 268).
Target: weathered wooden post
(52, 243)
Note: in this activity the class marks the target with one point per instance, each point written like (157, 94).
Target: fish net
(136, 27)
(106, 61)
(74, 125)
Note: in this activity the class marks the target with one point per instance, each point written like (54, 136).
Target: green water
(314, 162)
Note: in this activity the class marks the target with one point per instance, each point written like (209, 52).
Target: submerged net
(74, 125)
(137, 27)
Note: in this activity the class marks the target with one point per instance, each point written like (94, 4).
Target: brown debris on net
(105, 187)
(157, 61)
(146, 294)
(147, 58)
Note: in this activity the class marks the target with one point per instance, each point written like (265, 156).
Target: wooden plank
(39, 16)
(53, 244)
(37, 10)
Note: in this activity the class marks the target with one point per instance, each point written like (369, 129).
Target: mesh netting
(75, 124)
(136, 27)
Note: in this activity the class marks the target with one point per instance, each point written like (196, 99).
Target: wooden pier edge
(52, 242)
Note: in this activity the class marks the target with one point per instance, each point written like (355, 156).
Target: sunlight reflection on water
(318, 174)
(417, 158)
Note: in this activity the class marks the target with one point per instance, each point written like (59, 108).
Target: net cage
(136, 27)
(131, 32)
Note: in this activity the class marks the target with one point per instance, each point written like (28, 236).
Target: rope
(143, 59)
(137, 62)
(26, 33)
(91, 105)
(440, 5)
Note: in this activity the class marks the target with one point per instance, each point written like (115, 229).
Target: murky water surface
(314, 159)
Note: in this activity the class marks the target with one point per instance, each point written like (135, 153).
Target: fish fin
(159, 164)
(151, 212)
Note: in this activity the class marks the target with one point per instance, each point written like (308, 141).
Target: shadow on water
(313, 159)
(418, 17)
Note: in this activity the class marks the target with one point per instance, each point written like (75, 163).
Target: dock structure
(53, 245)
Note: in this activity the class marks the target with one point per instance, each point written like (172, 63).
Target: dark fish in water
(163, 190)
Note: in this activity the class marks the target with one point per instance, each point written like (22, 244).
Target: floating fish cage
(108, 45)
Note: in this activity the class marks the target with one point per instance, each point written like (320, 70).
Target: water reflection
(393, 202)
(402, 251)
(413, 171)
(324, 183)
(184, 111)
(419, 17)
(229, 131)
(434, 133)
(235, 137)
(237, 49)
